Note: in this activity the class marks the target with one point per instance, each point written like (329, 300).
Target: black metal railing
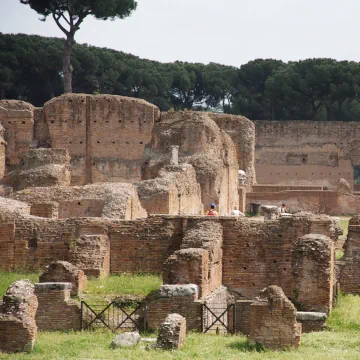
(115, 316)
(218, 318)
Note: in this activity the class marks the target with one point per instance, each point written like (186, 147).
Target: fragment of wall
(119, 201)
(317, 141)
(105, 135)
(242, 132)
(327, 202)
(17, 117)
(175, 191)
(203, 145)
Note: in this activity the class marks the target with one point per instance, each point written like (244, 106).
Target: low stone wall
(273, 320)
(18, 329)
(56, 312)
(311, 321)
(182, 299)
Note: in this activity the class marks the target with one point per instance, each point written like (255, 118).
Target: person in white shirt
(236, 212)
(283, 209)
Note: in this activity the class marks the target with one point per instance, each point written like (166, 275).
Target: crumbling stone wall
(42, 168)
(350, 268)
(172, 333)
(18, 329)
(203, 145)
(17, 117)
(313, 269)
(273, 320)
(175, 191)
(118, 201)
(56, 311)
(105, 135)
(306, 152)
(180, 299)
(63, 271)
(242, 132)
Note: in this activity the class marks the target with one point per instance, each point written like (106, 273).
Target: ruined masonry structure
(172, 333)
(273, 320)
(18, 328)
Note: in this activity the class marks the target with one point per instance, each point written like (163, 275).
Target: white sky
(230, 32)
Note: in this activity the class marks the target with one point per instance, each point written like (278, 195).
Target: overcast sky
(229, 32)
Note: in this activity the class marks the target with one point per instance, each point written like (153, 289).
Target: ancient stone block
(270, 212)
(91, 253)
(42, 168)
(127, 339)
(183, 299)
(172, 333)
(344, 187)
(313, 271)
(188, 266)
(56, 311)
(18, 329)
(63, 271)
(273, 320)
(311, 321)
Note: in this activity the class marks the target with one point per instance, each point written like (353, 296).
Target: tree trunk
(67, 67)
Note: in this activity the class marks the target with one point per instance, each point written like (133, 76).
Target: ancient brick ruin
(172, 333)
(273, 320)
(93, 185)
(18, 328)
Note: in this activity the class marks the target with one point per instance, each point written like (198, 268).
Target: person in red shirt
(212, 211)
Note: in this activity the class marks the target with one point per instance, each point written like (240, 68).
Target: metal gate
(115, 316)
(218, 318)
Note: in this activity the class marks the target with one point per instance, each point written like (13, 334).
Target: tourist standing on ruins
(283, 209)
(236, 212)
(212, 211)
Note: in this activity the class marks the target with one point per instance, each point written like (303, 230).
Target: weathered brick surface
(273, 320)
(311, 322)
(18, 329)
(313, 269)
(46, 210)
(172, 333)
(242, 316)
(175, 191)
(188, 266)
(350, 269)
(56, 312)
(180, 299)
(63, 271)
(106, 135)
(306, 152)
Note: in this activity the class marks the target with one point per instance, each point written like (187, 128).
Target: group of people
(213, 212)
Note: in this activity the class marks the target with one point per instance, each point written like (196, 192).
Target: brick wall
(81, 208)
(273, 320)
(46, 210)
(56, 312)
(106, 135)
(305, 152)
(328, 202)
(7, 235)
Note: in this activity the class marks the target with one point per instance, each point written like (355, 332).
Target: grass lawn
(341, 341)
(7, 279)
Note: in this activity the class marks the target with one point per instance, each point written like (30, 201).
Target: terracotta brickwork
(175, 191)
(313, 269)
(18, 329)
(180, 299)
(47, 210)
(17, 117)
(306, 152)
(273, 320)
(56, 312)
(172, 333)
(215, 162)
(350, 268)
(63, 271)
(106, 135)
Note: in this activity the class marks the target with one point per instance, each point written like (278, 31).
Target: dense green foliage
(317, 89)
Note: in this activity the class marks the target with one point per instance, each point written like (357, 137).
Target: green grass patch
(344, 224)
(7, 278)
(109, 288)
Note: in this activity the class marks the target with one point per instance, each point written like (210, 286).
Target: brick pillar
(56, 312)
